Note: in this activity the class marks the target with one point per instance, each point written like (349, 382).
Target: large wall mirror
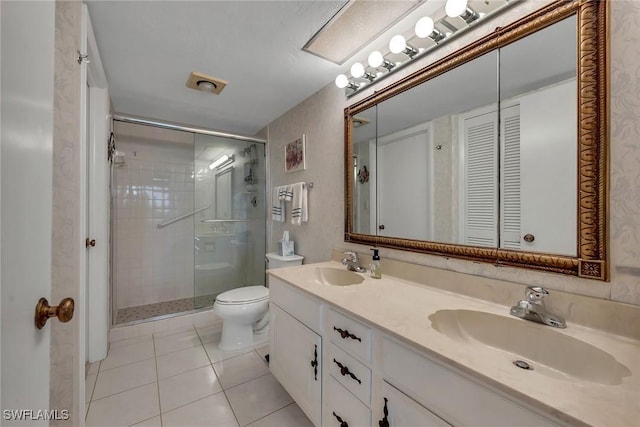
(496, 153)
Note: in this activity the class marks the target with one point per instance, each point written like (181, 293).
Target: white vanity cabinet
(399, 410)
(449, 395)
(295, 354)
(344, 372)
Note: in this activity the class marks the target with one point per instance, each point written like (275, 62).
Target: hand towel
(299, 209)
(277, 205)
(286, 193)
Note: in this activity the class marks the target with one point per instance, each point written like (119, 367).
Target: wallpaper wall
(320, 118)
(65, 265)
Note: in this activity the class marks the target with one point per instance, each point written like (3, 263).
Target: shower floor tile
(148, 311)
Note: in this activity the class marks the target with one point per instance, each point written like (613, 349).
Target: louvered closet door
(510, 208)
(481, 179)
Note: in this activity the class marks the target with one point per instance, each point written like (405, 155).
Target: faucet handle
(535, 294)
(353, 255)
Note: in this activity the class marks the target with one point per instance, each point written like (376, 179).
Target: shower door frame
(145, 121)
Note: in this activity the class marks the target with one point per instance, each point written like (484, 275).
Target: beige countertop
(402, 308)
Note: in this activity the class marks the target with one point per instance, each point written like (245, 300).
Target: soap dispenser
(376, 267)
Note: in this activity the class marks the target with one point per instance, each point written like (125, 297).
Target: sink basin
(336, 277)
(545, 349)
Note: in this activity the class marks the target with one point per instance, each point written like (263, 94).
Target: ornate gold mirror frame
(592, 156)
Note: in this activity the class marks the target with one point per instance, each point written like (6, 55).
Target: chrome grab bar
(178, 218)
(210, 221)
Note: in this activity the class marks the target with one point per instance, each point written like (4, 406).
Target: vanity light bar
(379, 66)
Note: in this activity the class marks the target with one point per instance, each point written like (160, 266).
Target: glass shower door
(230, 223)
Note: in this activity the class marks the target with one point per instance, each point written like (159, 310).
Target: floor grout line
(270, 413)
(219, 382)
(155, 359)
(123, 391)
(146, 419)
(244, 382)
(191, 403)
(127, 364)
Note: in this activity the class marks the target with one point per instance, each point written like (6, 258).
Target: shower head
(247, 150)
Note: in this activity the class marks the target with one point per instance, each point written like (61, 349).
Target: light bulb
(455, 8)
(357, 70)
(206, 86)
(375, 59)
(397, 44)
(424, 27)
(342, 81)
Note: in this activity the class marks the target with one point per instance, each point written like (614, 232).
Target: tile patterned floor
(185, 380)
(148, 311)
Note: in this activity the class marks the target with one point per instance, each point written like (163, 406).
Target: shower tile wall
(154, 185)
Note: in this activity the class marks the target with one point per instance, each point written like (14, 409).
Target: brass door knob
(63, 311)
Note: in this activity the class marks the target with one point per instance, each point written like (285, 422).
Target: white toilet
(245, 311)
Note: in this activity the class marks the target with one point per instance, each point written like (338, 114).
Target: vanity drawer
(350, 335)
(350, 373)
(301, 306)
(341, 403)
(432, 385)
(405, 412)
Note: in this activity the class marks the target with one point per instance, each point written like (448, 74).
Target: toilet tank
(277, 261)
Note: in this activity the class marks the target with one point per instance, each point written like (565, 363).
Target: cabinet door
(343, 409)
(401, 411)
(295, 360)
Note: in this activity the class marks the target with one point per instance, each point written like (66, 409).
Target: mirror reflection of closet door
(479, 198)
(404, 194)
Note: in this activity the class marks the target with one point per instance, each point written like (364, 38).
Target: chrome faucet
(352, 262)
(533, 308)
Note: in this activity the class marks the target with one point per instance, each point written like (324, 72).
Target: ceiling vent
(204, 83)
(359, 122)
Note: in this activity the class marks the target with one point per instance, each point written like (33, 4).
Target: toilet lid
(243, 295)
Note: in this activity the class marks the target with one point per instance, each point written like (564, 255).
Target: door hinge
(83, 58)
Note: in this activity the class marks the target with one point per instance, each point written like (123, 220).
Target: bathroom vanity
(355, 351)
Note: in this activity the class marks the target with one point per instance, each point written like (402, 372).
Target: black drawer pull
(346, 334)
(342, 423)
(345, 371)
(385, 421)
(314, 363)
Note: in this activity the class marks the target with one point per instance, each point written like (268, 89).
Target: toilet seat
(244, 295)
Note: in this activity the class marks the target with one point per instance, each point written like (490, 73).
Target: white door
(296, 361)
(27, 30)
(97, 130)
(404, 196)
(549, 169)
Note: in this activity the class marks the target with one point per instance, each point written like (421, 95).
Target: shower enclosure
(188, 219)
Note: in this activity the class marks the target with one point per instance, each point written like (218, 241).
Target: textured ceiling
(149, 48)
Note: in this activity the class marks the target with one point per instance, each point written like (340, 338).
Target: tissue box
(285, 248)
